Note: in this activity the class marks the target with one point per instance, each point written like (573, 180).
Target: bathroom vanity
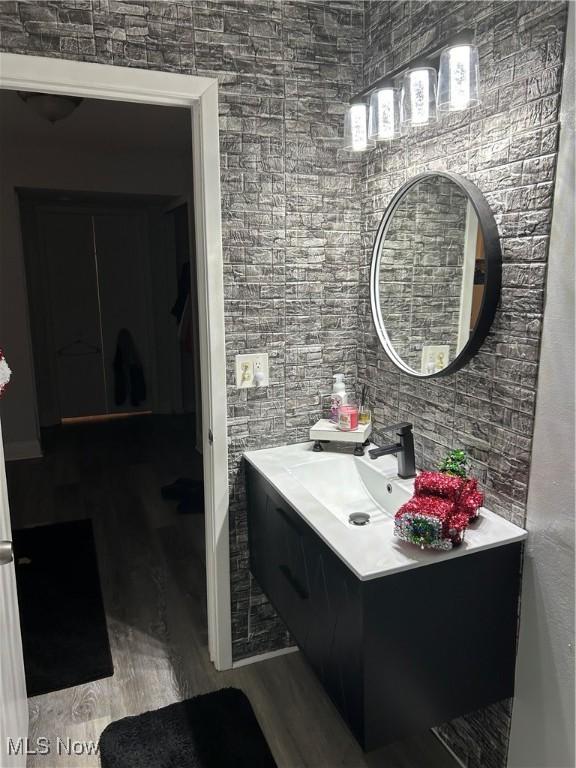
(401, 639)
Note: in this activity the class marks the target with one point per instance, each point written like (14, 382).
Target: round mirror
(436, 273)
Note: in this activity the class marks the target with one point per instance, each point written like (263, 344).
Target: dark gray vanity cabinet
(400, 653)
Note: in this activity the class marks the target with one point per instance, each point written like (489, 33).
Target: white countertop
(372, 550)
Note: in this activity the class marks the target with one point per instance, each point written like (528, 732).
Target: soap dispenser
(338, 396)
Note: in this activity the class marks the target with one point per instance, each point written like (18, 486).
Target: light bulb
(458, 78)
(418, 102)
(384, 115)
(356, 128)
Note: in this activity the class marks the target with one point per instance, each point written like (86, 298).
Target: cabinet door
(277, 561)
(334, 640)
(315, 594)
(261, 535)
(293, 596)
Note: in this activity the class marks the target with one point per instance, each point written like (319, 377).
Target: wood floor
(151, 563)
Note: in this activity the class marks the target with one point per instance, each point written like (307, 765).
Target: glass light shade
(458, 78)
(384, 114)
(418, 99)
(356, 128)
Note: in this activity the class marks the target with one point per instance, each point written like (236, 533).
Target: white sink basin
(325, 488)
(347, 485)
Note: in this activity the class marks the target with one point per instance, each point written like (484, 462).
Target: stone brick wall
(299, 217)
(290, 219)
(507, 147)
(420, 275)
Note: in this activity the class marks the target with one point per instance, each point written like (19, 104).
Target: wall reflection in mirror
(430, 275)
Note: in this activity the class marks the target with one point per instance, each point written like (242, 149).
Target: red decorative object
(471, 499)
(439, 484)
(439, 512)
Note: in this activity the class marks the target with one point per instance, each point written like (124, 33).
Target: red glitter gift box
(430, 521)
(439, 484)
(471, 499)
(439, 512)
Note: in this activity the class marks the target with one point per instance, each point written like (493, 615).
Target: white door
(13, 703)
(74, 307)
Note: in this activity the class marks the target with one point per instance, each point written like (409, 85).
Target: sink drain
(359, 518)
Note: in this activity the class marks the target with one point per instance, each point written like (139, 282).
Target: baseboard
(26, 449)
(264, 657)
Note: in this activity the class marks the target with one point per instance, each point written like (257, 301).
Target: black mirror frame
(493, 257)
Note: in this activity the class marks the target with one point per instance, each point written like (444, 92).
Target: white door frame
(468, 268)
(200, 95)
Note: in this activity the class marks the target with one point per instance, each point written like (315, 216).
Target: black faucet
(404, 449)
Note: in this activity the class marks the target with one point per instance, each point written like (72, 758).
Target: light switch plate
(247, 368)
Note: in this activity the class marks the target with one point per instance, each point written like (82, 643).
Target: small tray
(326, 430)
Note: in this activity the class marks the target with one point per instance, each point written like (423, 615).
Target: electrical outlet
(246, 373)
(435, 357)
(252, 370)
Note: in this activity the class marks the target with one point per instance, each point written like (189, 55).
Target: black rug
(217, 730)
(62, 615)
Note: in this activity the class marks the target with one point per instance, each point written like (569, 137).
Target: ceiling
(104, 125)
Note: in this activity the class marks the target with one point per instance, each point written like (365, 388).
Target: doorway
(114, 336)
(112, 305)
(200, 96)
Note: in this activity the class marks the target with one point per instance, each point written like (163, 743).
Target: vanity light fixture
(458, 78)
(424, 96)
(418, 104)
(384, 114)
(356, 128)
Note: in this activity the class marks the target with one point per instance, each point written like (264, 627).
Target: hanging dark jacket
(129, 378)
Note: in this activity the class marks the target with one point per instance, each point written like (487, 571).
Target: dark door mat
(62, 617)
(217, 730)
